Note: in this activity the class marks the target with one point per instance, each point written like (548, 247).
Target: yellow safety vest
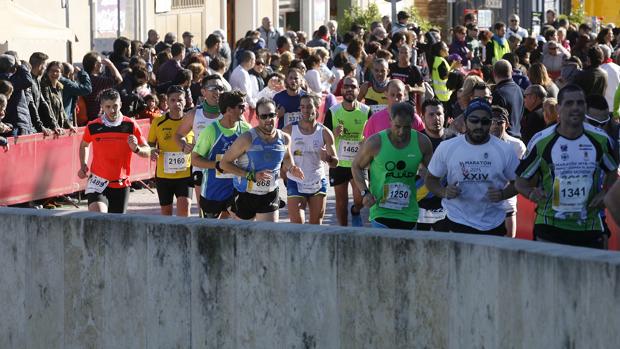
(439, 85)
(499, 50)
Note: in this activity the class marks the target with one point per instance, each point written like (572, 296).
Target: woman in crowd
(538, 76)
(51, 91)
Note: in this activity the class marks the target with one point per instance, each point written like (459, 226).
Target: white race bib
(262, 187)
(377, 107)
(175, 162)
(395, 196)
(348, 149)
(96, 184)
(290, 118)
(571, 194)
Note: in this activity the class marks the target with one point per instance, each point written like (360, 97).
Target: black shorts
(214, 208)
(247, 205)
(197, 177)
(168, 188)
(339, 175)
(115, 198)
(454, 227)
(590, 238)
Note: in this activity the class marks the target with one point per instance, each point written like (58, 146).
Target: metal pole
(394, 19)
(118, 18)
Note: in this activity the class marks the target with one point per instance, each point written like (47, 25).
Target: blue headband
(478, 104)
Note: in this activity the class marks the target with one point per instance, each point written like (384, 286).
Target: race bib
(377, 107)
(175, 162)
(290, 118)
(262, 187)
(219, 174)
(348, 149)
(96, 184)
(571, 194)
(395, 196)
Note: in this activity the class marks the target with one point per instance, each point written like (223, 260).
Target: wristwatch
(365, 192)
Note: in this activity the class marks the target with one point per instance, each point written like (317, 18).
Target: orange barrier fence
(37, 167)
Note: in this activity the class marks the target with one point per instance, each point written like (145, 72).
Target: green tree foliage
(359, 15)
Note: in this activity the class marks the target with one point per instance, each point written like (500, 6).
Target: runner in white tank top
(198, 118)
(312, 145)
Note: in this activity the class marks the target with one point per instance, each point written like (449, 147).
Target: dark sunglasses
(481, 121)
(267, 116)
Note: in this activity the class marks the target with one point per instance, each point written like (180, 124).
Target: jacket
(509, 95)
(72, 90)
(17, 113)
(53, 98)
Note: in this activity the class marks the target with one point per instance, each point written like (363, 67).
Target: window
(179, 4)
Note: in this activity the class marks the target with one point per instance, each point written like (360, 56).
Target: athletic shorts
(590, 238)
(247, 205)
(214, 208)
(452, 226)
(292, 189)
(339, 175)
(197, 177)
(115, 198)
(390, 223)
(168, 188)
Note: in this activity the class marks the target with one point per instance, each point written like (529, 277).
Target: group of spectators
(517, 73)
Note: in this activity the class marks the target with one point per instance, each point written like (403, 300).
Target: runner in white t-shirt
(480, 172)
(499, 124)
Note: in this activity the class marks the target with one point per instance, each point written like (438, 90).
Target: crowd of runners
(427, 135)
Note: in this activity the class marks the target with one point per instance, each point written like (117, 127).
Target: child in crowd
(6, 88)
(163, 103)
(4, 128)
(152, 110)
(275, 84)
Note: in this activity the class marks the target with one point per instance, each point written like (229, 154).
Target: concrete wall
(81, 280)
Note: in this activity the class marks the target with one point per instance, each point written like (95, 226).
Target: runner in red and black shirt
(114, 138)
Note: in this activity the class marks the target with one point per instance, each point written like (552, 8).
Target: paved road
(144, 202)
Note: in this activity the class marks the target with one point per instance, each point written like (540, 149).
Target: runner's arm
(238, 148)
(612, 201)
(367, 152)
(363, 91)
(288, 164)
(331, 158)
(186, 126)
(83, 171)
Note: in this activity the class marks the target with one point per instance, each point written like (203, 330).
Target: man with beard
(561, 173)
(347, 121)
(393, 157)
(287, 101)
(114, 137)
(431, 210)
(260, 155)
(198, 118)
(217, 191)
(373, 91)
(480, 173)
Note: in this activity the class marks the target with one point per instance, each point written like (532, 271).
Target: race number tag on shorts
(219, 174)
(377, 107)
(262, 187)
(571, 194)
(395, 196)
(290, 118)
(96, 184)
(174, 162)
(348, 149)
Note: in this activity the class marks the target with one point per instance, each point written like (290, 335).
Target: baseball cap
(187, 34)
(478, 104)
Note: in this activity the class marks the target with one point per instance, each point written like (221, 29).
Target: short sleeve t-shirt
(172, 163)
(380, 121)
(111, 153)
(474, 169)
(291, 104)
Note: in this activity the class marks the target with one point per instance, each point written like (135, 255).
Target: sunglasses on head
(266, 116)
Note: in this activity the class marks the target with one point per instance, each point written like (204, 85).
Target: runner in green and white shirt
(561, 173)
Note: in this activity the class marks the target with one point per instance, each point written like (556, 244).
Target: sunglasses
(215, 88)
(267, 116)
(481, 121)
